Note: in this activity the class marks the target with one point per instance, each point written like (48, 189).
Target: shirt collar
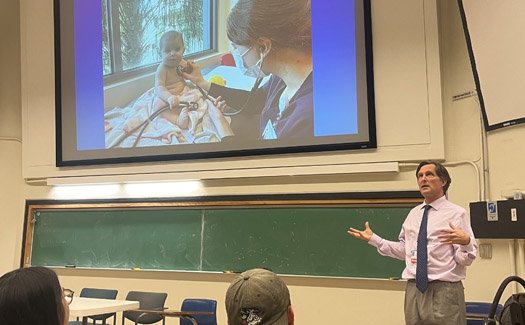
(436, 204)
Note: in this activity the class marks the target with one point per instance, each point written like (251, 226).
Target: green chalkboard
(150, 239)
(302, 240)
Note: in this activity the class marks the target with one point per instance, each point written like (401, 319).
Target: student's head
(264, 27)
(32, 296)
(258, 297)
(433, 179)
(171, 47)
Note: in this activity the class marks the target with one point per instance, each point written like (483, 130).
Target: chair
(200, 305)
(149, 301)
(479, 309)
(99, 294)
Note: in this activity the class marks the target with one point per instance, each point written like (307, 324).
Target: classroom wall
(11, 181)
(464, 141)
(312, 297)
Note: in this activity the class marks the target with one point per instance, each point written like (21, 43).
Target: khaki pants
(443, 303)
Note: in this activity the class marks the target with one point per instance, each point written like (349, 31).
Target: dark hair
(169, 34)
(285, 23)
(31, 296)
(441, 172)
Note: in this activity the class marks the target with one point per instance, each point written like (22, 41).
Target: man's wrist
(374, 240)
(468, 243)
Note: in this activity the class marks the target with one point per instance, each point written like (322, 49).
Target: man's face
(430, 185)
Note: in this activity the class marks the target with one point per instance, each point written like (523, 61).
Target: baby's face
(172, 51)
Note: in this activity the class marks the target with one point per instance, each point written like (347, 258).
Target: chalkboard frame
(369, 199)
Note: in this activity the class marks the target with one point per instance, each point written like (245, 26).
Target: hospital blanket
(124, 125)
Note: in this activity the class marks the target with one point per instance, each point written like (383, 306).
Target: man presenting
(437, 244)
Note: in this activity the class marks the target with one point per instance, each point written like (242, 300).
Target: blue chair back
(200, 305)
(480, 308)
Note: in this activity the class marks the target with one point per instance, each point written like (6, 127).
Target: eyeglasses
(68, 295)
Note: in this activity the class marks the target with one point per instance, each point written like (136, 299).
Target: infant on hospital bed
(169, 83)
(155, 118)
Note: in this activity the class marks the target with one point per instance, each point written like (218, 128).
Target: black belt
(435, 281)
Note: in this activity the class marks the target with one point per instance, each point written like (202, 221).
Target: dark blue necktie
(422, 256)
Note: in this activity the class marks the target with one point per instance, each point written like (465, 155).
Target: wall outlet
(485, 251)
(513, 214)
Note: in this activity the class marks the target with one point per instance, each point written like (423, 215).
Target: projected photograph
(145, 80)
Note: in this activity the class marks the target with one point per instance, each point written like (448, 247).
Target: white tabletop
(81, 306)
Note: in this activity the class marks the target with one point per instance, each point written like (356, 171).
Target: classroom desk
(175, 313)
(83, 307)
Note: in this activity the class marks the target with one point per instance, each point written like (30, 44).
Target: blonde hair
(170, 34)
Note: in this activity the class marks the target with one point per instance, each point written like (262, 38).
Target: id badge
(413, 256)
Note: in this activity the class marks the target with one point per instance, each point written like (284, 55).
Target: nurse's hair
(441, 172)
(288, 24)
(31, 296)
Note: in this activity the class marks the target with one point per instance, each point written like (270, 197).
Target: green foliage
(142, 22)
(106, 54)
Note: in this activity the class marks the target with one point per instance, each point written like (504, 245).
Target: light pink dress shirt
(446, 262)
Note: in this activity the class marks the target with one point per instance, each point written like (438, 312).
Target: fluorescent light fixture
(161, 189)
(328, 169)
(144, 189)
(85, 191)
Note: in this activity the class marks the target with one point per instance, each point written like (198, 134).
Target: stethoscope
(192, 106)
(229, 111)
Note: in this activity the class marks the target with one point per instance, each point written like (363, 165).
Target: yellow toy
(218, 80)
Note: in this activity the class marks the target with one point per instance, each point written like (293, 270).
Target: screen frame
(371, 122)
(487, 124)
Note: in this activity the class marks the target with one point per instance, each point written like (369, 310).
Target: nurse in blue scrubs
(269, 37)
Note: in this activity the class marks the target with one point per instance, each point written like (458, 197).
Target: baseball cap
(257, 297)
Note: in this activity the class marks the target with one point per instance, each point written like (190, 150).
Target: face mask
(239, 63)
(253, 71)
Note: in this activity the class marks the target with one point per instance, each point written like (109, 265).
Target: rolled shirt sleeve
(466, 254)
